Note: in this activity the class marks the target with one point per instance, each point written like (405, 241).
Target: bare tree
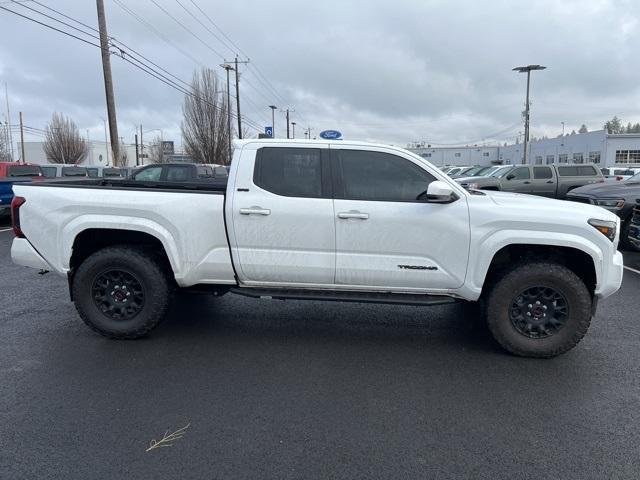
(5, 147)
(155, 151)
(204, 128)
(63, 143)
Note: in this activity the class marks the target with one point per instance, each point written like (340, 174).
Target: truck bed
(217, 185)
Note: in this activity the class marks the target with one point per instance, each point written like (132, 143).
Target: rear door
(387, 239)
(282, 211)
(544, 182)
(517, 180)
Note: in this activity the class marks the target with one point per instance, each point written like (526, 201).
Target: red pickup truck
(10, 173)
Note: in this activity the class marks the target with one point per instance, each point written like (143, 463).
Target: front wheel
(540, 309)
(121, 292)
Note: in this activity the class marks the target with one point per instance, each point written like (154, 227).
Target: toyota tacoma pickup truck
(553, 181)
(323, 220)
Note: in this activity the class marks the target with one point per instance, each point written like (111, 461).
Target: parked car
(326, 220)
(57, 170)
(617, 174)
(552, 181)
(617, 197)
(455, 170)
(10, 174)
(633, 235)
(469, 171)
(179, 172)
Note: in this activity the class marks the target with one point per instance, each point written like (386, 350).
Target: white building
(599, 147)
(475, 155)
(99, 153)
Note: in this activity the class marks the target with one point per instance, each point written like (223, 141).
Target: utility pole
(293, 127)
(562, 128)
(108, 82)
(527, 69)
(90, 148)
(287, 123)
(228, 67)
(22, 138)
(236, 63)
(137, 155)
(10, 134)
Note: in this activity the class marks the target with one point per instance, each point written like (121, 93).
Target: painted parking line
(632, 270)
(5, 229)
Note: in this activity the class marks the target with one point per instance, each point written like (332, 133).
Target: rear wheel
(540, 309)
(121, 292)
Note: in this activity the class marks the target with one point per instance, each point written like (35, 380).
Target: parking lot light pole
(527, 69)
(273, 120)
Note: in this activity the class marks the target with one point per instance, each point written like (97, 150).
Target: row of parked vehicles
(584, 183)
(13, 172)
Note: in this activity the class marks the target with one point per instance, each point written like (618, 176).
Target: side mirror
(438, 192)
(511, 176)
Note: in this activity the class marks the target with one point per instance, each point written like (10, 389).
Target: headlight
(473, 186)
(606, 227)
(616, 203)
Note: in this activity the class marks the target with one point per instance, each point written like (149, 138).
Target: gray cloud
(383, 71)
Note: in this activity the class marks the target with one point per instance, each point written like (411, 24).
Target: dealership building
(607, 150)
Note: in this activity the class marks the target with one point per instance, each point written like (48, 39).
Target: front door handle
(526, 183)
(353, 214)
(255, 211)
(549, 181)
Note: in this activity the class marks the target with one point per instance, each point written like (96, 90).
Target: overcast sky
(394, 71)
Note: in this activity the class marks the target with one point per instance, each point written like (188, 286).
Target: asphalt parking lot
(291, 389)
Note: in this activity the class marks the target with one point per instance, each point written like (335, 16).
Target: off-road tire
(143, 266)
(530, 275)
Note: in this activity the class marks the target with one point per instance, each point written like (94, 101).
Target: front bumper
(611, 279)
(22, 253)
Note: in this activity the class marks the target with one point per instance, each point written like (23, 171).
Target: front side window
(24, 171)
(378, 176)
(290, 172)
(150, 174)
(520, 173)
(542, 173)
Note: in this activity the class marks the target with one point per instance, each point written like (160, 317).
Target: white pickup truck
(323, 220)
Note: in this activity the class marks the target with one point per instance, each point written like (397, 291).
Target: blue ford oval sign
(330, 135)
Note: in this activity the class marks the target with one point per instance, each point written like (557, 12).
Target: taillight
(618, 178)
(16, 203)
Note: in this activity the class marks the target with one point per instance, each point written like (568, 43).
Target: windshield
(24, 171)
(473, 171)
(634, 179)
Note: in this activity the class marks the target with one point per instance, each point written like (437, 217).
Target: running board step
(361, 297)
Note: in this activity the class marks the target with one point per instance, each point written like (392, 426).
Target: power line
(187, 29)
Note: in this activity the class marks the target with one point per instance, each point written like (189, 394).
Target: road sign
(268, 131)
(331, 135)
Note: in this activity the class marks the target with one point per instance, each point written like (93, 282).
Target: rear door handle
(526, 183)
(353, 214)
(255, 211)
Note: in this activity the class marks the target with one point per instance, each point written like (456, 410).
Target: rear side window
(111, 172)
(542, 173)
(290, 172)
(92, 172)
(74, 172)
(378, 176)
(178, 173)
(587, 171)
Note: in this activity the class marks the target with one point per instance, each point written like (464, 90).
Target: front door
(282, 212)
(517, 180)
(387, 239)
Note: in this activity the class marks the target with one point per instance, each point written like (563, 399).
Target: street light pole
(228, 67)
(527, 69)
(273, 120)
